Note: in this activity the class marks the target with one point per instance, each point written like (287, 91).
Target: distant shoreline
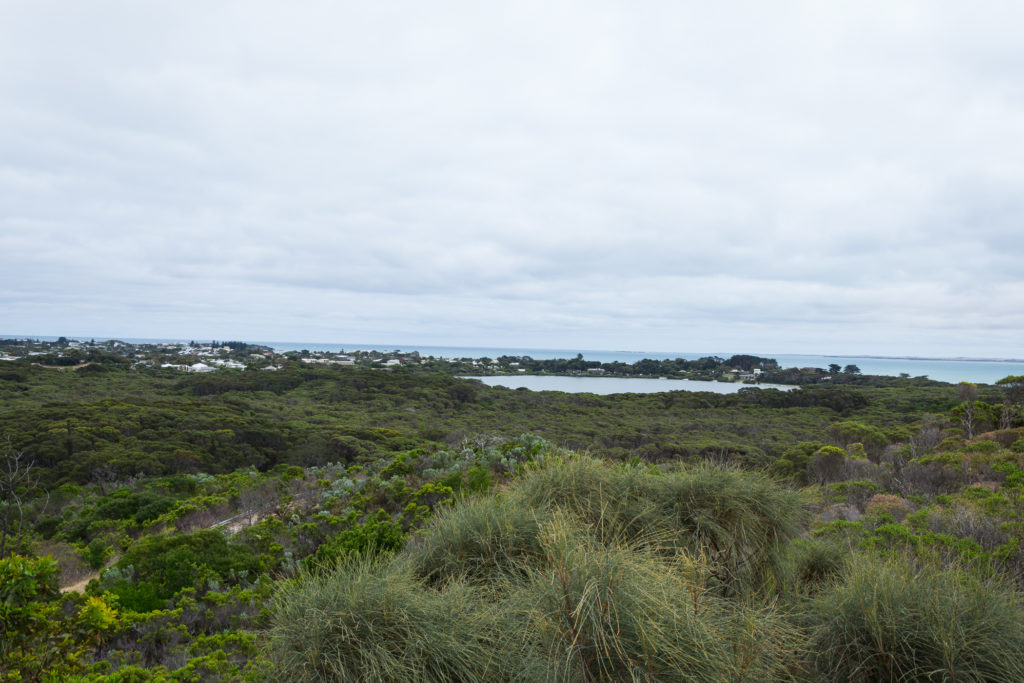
(406, 348)
(952, 359)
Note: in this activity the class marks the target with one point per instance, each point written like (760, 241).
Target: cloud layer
(788, 178)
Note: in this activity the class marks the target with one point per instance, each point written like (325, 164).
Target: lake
(615, 385)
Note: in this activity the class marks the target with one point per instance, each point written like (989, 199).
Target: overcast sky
(761, 177)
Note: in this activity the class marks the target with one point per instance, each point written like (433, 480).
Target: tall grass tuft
(480, 541)
(889, 621)
(807, 565)
(738, 520)
(595, 612)
(584, 571)
(367, 620)
(614, 500)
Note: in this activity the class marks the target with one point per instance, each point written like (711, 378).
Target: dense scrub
(82, 428)
(560, 579)
(711, 534)
(583, 571)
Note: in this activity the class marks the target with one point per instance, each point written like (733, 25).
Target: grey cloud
(636, 178)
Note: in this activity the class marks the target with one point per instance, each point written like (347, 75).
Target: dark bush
(373, 537)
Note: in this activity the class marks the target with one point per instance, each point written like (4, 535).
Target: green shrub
(163, 565)
(44, 636)
(794, 461)
(137, 596)
(478, 479)
(153, 509)
(854, 492)
(887, 621)
(123, 504)
(375, 536)
(983, 446)
(96, 553)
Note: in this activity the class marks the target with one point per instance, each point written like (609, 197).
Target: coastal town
(87, 355)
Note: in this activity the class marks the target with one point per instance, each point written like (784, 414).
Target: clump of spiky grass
(614, 500)
(586, 571)
(739, 520)
(890, 621)
(370, 620)
(595, 612)
(806, 565)
(479, 541)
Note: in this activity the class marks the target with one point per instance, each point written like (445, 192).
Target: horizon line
(410, 348)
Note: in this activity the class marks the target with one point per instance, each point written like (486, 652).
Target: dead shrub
(888, 504)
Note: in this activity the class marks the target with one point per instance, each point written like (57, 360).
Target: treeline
(86, 427)
(710, 366)
(79, 427)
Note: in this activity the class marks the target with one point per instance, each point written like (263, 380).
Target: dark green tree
(1013, 399)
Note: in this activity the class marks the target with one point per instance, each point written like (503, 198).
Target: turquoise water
(614, 385)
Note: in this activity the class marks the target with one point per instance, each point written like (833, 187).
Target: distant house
(595, 371)
(200, 367)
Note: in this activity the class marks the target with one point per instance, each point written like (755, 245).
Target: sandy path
(79, 586)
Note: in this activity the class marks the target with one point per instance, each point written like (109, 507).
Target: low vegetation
(352, 523)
